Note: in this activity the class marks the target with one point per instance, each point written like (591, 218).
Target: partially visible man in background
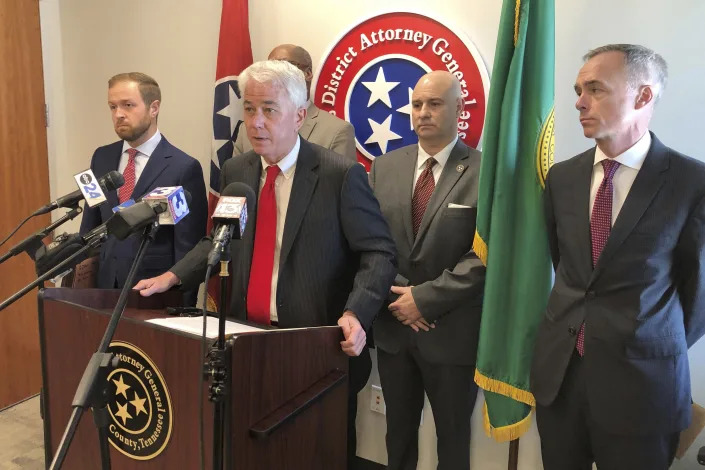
(319, 127)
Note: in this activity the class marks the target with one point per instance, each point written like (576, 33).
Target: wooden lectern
(287, 402)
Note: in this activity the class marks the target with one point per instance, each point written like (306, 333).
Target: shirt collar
(146, 148)
(287, 165)
(441, 157)
(633, 157)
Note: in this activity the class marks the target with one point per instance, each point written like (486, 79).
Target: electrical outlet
(377, 400)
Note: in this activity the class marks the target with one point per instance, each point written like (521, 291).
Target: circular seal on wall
(139, 404)
(368, 75)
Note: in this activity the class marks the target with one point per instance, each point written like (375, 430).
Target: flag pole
(513, 455)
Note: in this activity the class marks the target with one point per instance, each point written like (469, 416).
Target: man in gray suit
(319, 127)
(626, 225)
(317, 251)
(427, 338)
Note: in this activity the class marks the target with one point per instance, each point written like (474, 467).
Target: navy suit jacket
(336, 252)
(643, 304)
(167, 166)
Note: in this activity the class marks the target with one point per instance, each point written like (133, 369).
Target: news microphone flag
(174, 198)
(234, 55)
(89, 186)
(232, 209)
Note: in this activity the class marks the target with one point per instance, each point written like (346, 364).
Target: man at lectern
(317, 250)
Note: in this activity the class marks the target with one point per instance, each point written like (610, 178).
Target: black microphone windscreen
(238, 189)
(113, 180)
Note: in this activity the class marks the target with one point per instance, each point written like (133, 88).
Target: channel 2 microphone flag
(234, 55)
(511, 238)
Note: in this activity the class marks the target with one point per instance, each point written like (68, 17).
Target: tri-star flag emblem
(367, 77)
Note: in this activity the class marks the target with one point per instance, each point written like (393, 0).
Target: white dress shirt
(630, 164)
(144, 151)
(441, 159)
(282, 192)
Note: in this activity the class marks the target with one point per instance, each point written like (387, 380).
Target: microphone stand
(47, 275)
(92, 391)
(219, 369)
(34, 241)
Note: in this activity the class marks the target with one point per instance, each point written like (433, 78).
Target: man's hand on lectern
(354, 333)
(157, 284)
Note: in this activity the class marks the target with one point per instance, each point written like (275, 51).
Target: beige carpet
(21, 437)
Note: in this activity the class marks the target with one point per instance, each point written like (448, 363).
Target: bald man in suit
(427, 339)
(319, 127)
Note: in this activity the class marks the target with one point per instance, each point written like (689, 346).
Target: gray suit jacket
(336, 250)
(319, 128)
(644, 303)
(447, 276)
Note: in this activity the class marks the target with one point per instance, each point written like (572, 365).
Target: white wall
(85, 42)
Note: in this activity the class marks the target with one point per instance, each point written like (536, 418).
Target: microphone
(63, 246)
(236, 200)
(122, 224)
(134, 218)
(109, 182)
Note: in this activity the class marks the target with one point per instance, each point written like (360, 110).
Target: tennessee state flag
(234, 55)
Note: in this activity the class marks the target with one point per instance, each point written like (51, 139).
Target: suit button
(590, 294)
(572, 331)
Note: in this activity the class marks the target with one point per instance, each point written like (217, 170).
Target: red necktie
(128, 173)
(600, 226)
(422, 193)
(259, 289)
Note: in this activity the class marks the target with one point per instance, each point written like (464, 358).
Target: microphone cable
(16, 229)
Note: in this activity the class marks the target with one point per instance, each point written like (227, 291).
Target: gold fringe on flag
(506, 433)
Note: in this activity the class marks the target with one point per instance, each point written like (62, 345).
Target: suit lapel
(648, 182)
(110, 163)
(156, 164)
(581, 181)
(305, 179)
(407, 173)
(309, 122)
(452, 171)
(252, 173)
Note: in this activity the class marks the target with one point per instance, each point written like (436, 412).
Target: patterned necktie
(600, 226)
(128, 173)
(422, 193)
(259, 289)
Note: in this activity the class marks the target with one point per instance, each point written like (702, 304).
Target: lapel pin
(459, 168)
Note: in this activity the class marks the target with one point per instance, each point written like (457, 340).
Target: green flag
(511, 235)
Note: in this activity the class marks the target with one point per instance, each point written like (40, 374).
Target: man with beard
(147, 161)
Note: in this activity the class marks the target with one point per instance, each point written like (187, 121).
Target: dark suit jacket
(167, 166)
(336, 250)
(644, 303)
(448, 277)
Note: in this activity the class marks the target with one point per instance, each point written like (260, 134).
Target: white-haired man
(318, 251)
